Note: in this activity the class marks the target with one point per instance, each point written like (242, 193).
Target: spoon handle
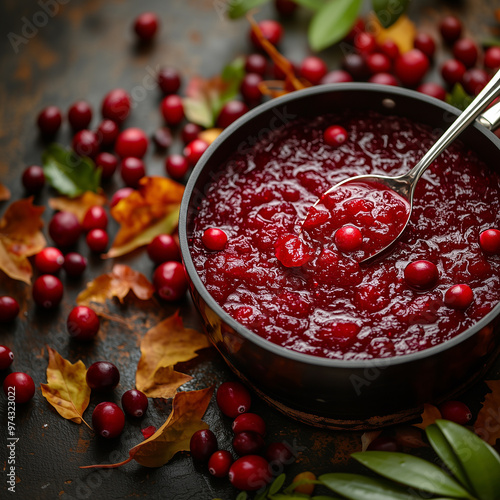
(471, 112)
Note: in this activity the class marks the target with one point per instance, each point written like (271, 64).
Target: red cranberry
(47, 291)
(474, 80)
(285, 7)
(432, 89)
(384, 79)
(120, 195)
(134, 403)
(219, 463)
(390, 49)
(452, 71)
(426, 44)
(335, 135)
(489, 241)
(80, 115)
(378, 63)
(248, 443)
(176, 166)
(107, 132)
(108, 420)
(85, 143)
(132, 170)
(9, 308)
(95, 218)
(249, 422)
(355, 65)
(203, 445)
(131, 142)
(230, 112)
(466, 51)
(492, 58)
(194, 151)
(279, 74)
(359, 27)
(83, 323)
(256, 63)
(459, 296)
(147, 432)
(249, 88)
(162, 138)
(214, 239)
(384, 443)
(97, 240)
(22, 386)
(49, 260)
(456, 411)
(279, 454)
(233, 398)
(6, 357)
(313, 69)
(249, 473)
(365, 42)
(172, 109)
(103, 376)
(163, 248)
(337, 76)
(74, 264)
(107, 163)
(169, 280)
(421, 274)
(146, 26)
(190, 132)
(450, 28)
(271, 30)
(49, 121)
(411, 67)
(64, 229)
(33, 179)
(348, 238)
(169, 80)
(116, 106)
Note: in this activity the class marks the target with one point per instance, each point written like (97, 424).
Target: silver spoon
(404, 185)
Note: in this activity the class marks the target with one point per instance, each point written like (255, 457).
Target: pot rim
(387, 92)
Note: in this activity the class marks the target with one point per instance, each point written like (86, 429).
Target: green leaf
(479, 460)
(388, 11)
(332, 22)
(289, 496)
(323, 497)
(238, 8)
(242, 495)
(411, 471)
(357, 487)
(458, 97)
(311, 4)
(199, 112)
(277, 484)
(446, 454)
(490, 42)
(232, 75)
(69, 173)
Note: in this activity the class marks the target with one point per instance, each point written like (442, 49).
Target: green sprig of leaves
(458, 97)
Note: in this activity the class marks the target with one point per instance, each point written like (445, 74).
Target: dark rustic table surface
(81, 50)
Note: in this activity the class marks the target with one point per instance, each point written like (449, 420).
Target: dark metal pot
(320, 391)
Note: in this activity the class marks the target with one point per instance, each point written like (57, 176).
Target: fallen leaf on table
(429, 416)
(151, 210)
(174, 435)
(402, 33)
(487, 424)
(367, 438)
(20, 238)
(4, 193)
(408, 436)
(209, 135)
(163, 346)
(79, 205)
(66, 388)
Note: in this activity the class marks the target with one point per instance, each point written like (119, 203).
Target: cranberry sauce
(323, 302)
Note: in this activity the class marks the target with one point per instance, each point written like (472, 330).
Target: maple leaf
(174, 435)
(4, 192)
(151, 210)
(66, 388)
(77, 206)
(429, 416)
(20, 237)
(402, 33)
(487, 424)
(163, 346)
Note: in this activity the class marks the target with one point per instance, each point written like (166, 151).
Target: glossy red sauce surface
(330, 305)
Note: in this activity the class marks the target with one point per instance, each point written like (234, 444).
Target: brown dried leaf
(77, 206)
(174, 435)
(4, 192)
(402, 33)
(429, 416)
(408, 436)
(367, 438)
(66, 388)
(163, 346)
(20, 237)
(487, 424)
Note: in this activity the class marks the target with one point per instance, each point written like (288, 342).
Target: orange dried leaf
(367, 438)
(20, 237)
(402, 33)
(151, 210)
(66, 388)
(174, 435)
(118, 283)
(487, 424)
(429, 416)
(4, 193)
(209, 135)
(163, 346)
(77, 206)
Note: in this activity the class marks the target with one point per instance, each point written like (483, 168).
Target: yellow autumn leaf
(77, 206)
(402, 32)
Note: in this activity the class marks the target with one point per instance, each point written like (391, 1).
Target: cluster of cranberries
(20, 382)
